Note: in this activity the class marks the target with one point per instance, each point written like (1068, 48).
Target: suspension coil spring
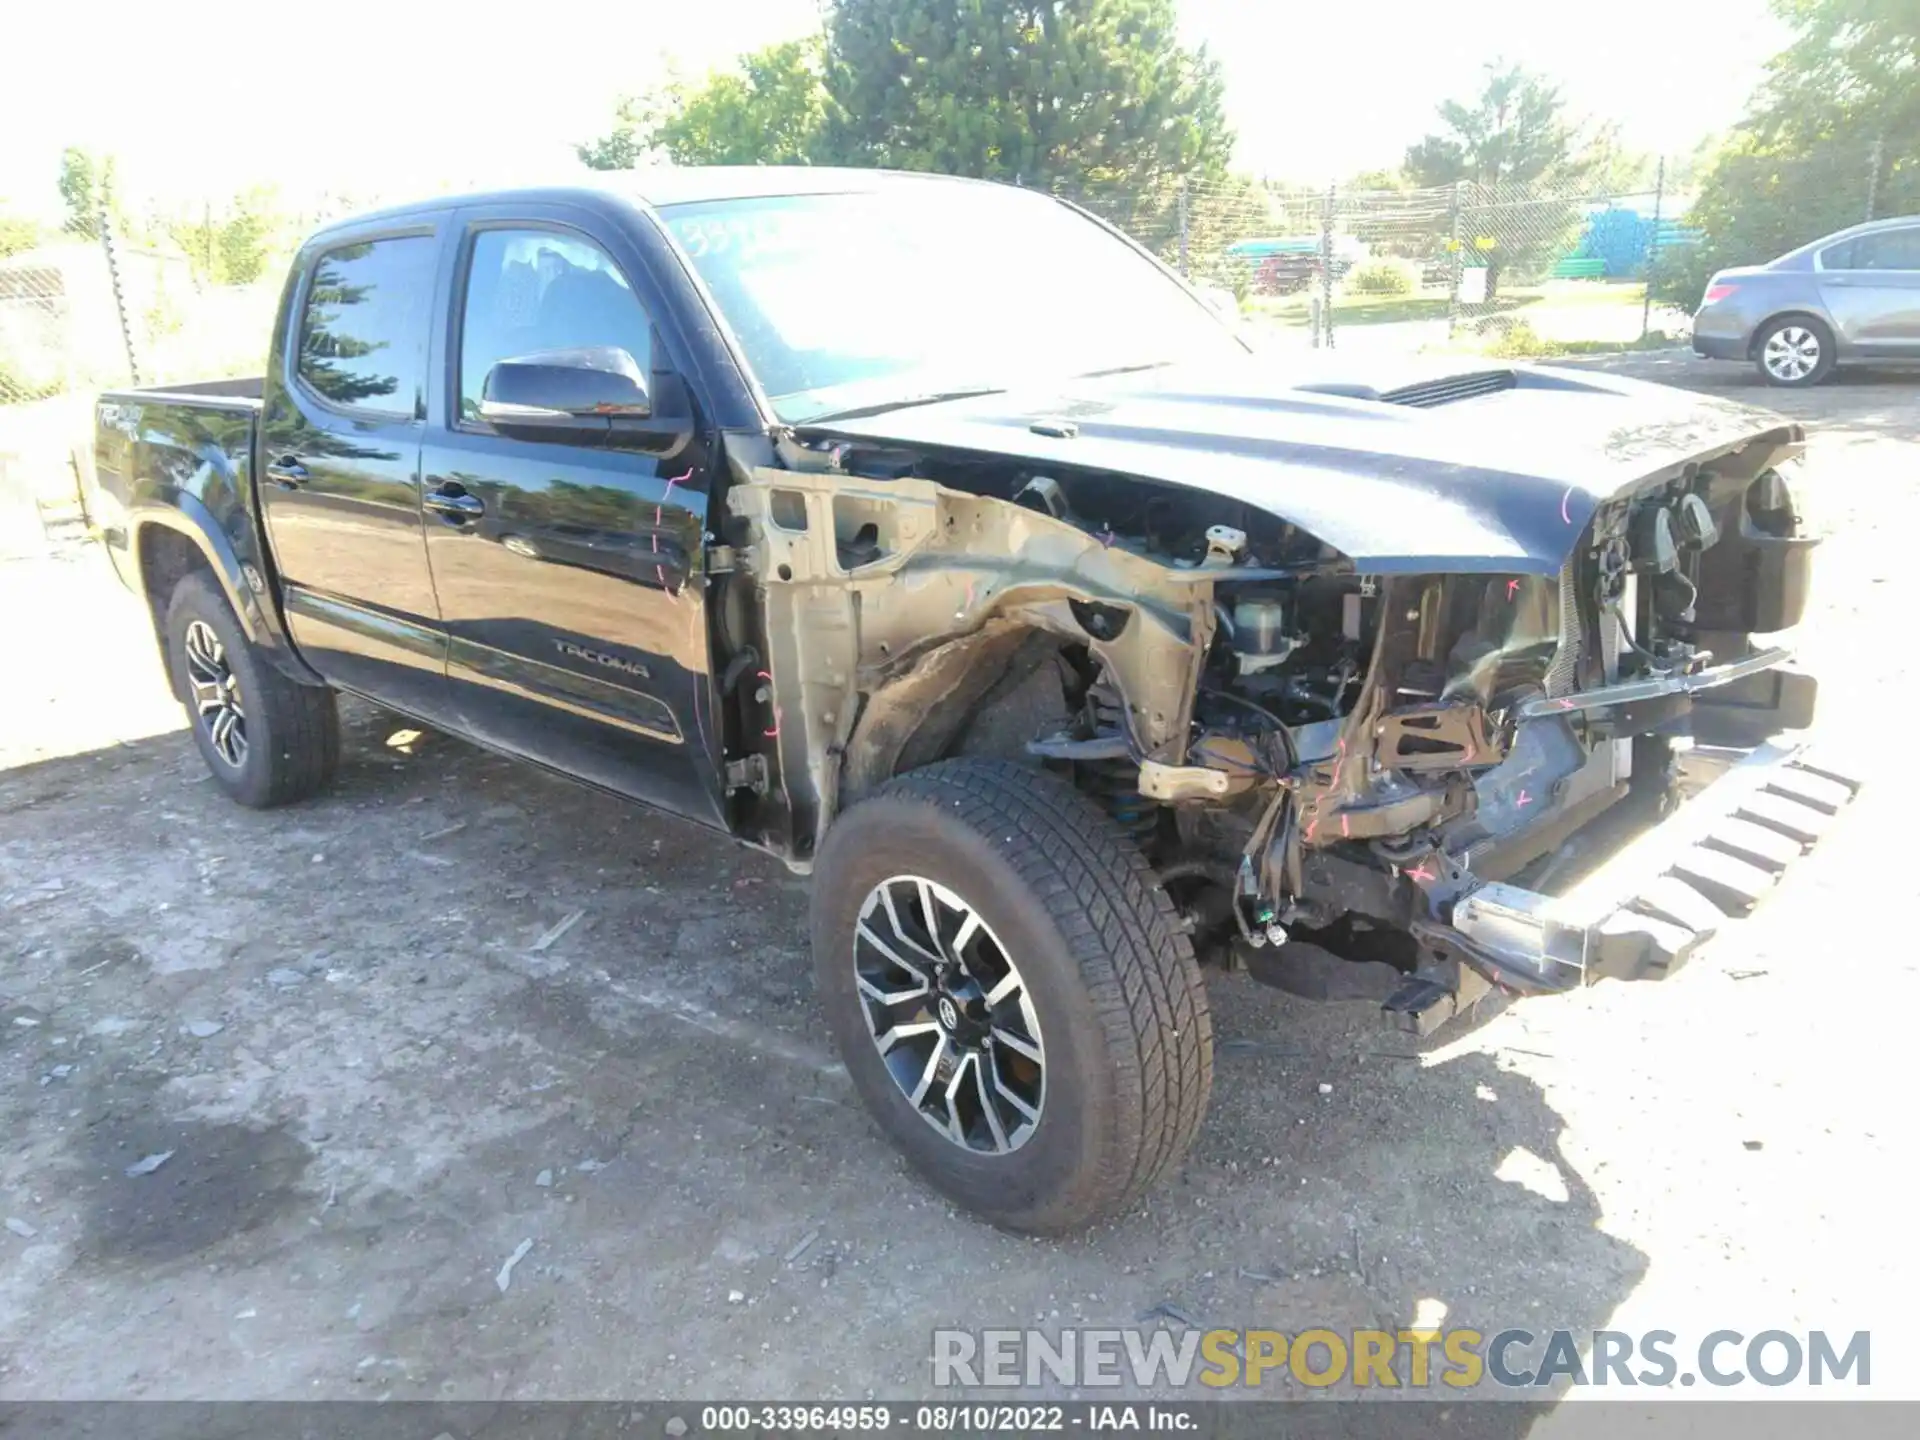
(1116, 783)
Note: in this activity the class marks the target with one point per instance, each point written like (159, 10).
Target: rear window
(1837, 257)
(1888, 250)
(1882, 250)
(363, 334)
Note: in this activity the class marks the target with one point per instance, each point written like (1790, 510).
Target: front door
(340, 454)
(1871, 285)
(569, 571)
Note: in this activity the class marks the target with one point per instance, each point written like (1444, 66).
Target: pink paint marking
(1524, 800)
(1312, 825)
(1420, 873)
(1346, 830)
(1512, 585)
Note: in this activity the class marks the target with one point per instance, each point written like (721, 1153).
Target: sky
(204, 97)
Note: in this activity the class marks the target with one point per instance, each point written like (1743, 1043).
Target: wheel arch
(173, 541)
(916, 719)
(889, 608)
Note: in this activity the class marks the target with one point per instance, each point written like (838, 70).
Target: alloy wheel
(1791, 353)
(949, 1012)
(216, 694)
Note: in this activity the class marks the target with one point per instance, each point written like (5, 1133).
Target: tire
(1109, 999)
(288, 734)
(1794, 352)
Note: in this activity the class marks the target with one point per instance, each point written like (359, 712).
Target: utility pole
(1453, 261)
(1183, 225)
(1326, 271)
(1653, 246)
(119, 294)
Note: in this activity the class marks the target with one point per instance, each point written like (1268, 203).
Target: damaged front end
(1475, 778)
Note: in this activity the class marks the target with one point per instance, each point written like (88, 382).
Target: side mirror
(565, 390)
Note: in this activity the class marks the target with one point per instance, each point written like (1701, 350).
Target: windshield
(928, 288)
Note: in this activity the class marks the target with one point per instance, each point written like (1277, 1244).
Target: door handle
(287, 472)
(452, 501)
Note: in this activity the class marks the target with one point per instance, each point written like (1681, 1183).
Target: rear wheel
(1011, 993)
(1795, 351)
(267, 740)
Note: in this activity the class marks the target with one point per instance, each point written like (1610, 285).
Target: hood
(1404, 467)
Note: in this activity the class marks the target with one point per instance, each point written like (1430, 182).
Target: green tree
(1378, 180)
(1831, 138)
(1077, 94)
(86, 186)
(1514, 133)
(17, 233)
(1519, 157)
(770, 110)
(235, 244)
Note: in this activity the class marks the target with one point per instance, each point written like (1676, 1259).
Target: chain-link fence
(1512, 269)
(1508, 269)
(81, 313)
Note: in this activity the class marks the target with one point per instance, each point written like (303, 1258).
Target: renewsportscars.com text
(1402, 1359)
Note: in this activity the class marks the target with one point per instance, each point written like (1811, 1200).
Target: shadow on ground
(372, 1086)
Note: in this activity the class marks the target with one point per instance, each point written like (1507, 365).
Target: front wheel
(1011, 992)
(266, 739)
(1794, 352)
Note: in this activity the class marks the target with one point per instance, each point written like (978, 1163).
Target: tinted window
(363, 337)
(1837, 257)
(1888, 250)
(535, 290)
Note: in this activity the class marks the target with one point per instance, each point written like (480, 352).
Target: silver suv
(1851, 297)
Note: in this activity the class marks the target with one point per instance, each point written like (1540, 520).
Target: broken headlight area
(1366, 751)
(1305, 752)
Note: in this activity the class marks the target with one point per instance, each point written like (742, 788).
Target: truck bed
(194, 392)
(178, 452)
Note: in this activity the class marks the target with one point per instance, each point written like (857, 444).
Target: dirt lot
(373, 1087)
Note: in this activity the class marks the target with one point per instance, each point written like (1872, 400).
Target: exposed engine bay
(1301, 749)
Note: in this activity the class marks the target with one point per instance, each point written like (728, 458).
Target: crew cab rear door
(568, 566)
(342, 418)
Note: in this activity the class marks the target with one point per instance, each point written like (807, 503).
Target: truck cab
(938, 539)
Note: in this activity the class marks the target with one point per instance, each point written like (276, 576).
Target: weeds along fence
(82, 314)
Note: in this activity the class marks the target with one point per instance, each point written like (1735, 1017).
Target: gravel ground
(373, 1088)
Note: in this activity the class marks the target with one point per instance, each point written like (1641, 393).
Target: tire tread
(302, 720)
(1135, 961)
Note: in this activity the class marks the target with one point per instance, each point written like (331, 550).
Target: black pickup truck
(937, 539)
